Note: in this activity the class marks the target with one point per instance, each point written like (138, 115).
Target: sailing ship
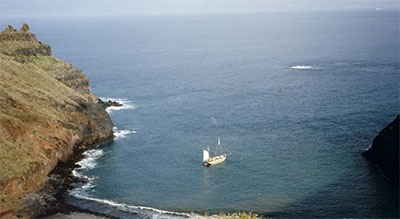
(207, 160)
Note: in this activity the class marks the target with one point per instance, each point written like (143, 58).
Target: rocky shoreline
(49, 200)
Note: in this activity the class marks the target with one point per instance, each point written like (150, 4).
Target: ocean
(294, 97)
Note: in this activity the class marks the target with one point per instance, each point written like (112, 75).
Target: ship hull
(215, 160)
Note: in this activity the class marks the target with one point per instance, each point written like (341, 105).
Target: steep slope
(47, 110)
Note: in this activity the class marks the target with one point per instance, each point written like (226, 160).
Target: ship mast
(219, 147)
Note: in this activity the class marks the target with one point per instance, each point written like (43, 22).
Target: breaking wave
(126, 104)
(87, 163)
(123, 133)
(113, 208)
(89, 160)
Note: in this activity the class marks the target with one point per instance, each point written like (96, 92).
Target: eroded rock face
(22, 43)
(47, 112)
(384, 150)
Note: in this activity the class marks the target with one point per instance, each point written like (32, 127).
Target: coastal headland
(48, 115)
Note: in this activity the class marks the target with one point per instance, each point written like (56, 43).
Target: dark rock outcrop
(109, 103)
(384, 150)
(48, 113)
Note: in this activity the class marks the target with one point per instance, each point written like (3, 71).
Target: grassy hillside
(32, 102)
(47, 111)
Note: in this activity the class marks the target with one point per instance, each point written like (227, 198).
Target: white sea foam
(163, 212)
(302, 67)
(123, 133)
(89, 161)
(126, 104)
(147, 212)
(76, 174)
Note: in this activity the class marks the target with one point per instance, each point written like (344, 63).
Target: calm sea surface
(294, 97)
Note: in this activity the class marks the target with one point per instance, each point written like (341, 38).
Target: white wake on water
(306, 67)
(302, 67)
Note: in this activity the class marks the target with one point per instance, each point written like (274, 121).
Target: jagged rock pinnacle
(24, 28)
(22, 43)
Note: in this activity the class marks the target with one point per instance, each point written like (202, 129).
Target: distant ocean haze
(294, 98)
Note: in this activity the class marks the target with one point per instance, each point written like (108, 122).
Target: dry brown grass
(31, 99)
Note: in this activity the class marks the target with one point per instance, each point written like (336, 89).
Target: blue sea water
(295, 98)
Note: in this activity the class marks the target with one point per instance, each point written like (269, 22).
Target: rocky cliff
(22, 43)
(384, 150)
(47, 111)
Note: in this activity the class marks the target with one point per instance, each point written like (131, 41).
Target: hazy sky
(132, 7)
